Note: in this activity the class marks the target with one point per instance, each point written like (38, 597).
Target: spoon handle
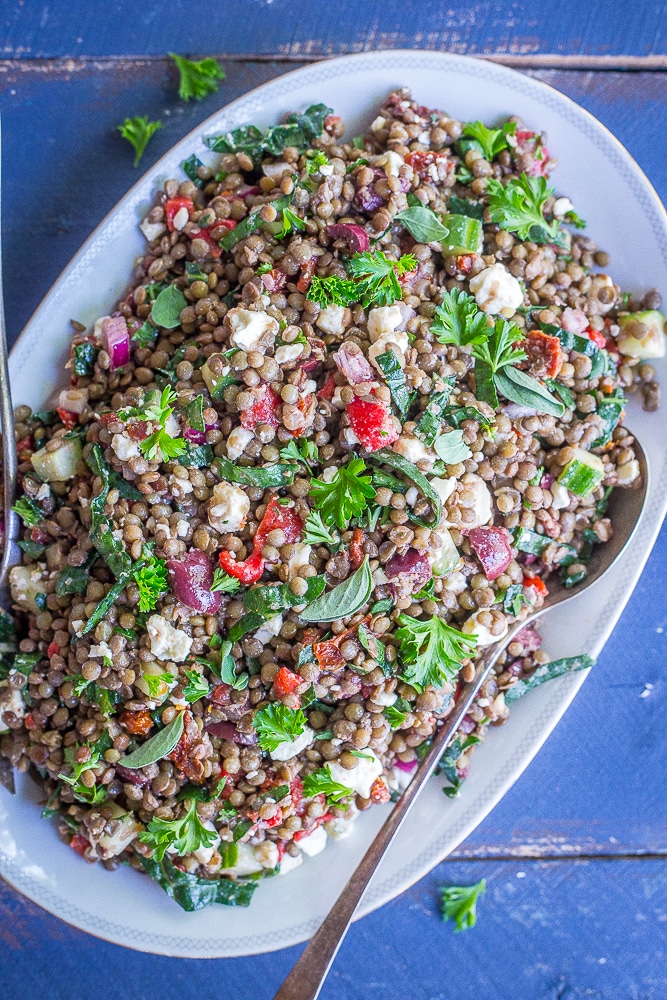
(307, 977)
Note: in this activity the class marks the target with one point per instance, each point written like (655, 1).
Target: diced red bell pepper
(372, 423)
(247, 571)
(492, 548)
(597, 337)
(379, 792)
(296, 790)
(276, 515)
(312, 824)
(26, 444)
(29, 722)
(328, 389)
(68, 419)
(286, 682)
(53, 649)
(306, 276)
(173, 206)
(356, 548)
(79, 843)
(39, 535)
(274, 820)
(537, 584)
(545, 354)
(262, 410)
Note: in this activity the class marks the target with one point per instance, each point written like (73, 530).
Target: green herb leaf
(270, 600)
(84, 356)
(462, 206)
(518, 208)
(193, 893)
(272, 475)
(74, 579)
(547, 672)
(458, 320)
(430, 422)
(138, 131)
(305, 451)
(151, 579)
(459, 903)
(167, 308)
(183, 835)
(299, 131)
(315, 531)
(345, 496)
(332, 291)
(195, 413)
(145, 335)
(190, 168)
(525, 390)
(33, 550)
(344, 600)
(291, 222)
(423, 224)
(314, 160)
(395, 378)
(511, 599)
(196, 456)
(447, 764)
(157, 746)
(321, 782)
(492, 140)
(451, 448)
(416, 478)
(249, 623)
(197, 78)
(224, 583)
(197, 686)
(29, 511)
(276, 724)
(432, 652)
(377, 276)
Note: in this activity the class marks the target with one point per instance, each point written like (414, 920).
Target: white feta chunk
(11, 700)
(378, 123)
(326, 169)
(443, 487)
(167, 642)
(248, 328)
(25, 583)
(497, 291)
(229, 508)
(110, 845)
(398, 779)
(289, 862)
(472, 626)
(397, 342)
(269, 629)
(385, 698)
(103, 650)
(300, 557)
(152, 230)
(339, 828)
(561, 497)
(413, 449)
(237, 442)
(383, 320)
(314, 843)
(172, 426)
(44, 492)
(291, 748)
(482, 507)
(180, 487)
(390, 162)
(628, 472)
(332, 320)
(598, 282)
(204, 854)
(455, 582)
(288, 352)
(561, 207)
(125, 447)
(360, 779)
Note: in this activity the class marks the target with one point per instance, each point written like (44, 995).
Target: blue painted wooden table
(575, 856)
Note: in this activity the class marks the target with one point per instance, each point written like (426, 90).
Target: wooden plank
(523, 27)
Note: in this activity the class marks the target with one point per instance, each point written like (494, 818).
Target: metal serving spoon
(307, 977)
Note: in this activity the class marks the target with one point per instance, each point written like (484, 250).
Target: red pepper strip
(173, 206)
(537, 583)
(328, 654)
(597, 337)
(53, 650)
(275, 516)
(68, 419)
(328, 389)
(79, 844)
(286, 682)
(355, 550)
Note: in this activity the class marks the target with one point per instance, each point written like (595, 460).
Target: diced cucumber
(465, 235)
(217, 384)
(60, 464)
(642, 334)
(582, 473)
(446, 559)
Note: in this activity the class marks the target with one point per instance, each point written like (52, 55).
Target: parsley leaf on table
(458, 320)
(459, 903)
(138, 131)
(185, 835)
(492, 140)
(345, 496)
(197, 78)
(518, 207)
(276, 724)
(432, 651)
(321, 782)
(377, 276)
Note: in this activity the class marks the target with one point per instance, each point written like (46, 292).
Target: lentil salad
(284, 366)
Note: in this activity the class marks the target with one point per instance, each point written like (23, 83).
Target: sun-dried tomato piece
(192, 767)
(379, 792)
(137, 723)
(545, 354)
(356, 548)
(422, 160)
(328, 654)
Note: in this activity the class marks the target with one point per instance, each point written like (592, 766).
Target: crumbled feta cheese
(308, 387)
(276, 170)
(454, 582)
(412, 496)
(181, 218)
(561, 207)
(339, 828)
(471, 626)
(398, 779)
(152, 230)
(497, 291)
(628, 472)
(125, 447)
(10, 702)
(179, 487)
(167, 642)
(269, 629)
(77, 626)
(182, 529)
(443, 487)
(383, 320)
(110, 845)
(172, 426)
(237, 442)
(300, 557)
(204, 854)
(248, 328)
(229, 508)
(289, 862)
(43, 492)
(287, 353)
(314, 843)
(103, 650)
(413, 449)
(385, 698)
(482, 507)
(595, 304)
(336, 399)
(291, 748)
(25, 583)
(329, 474)
(332, 319)
(389, 161)
(561, 497)
(378, 123)
(380, 577)
(97, 328)
(326, 169)
(361, 777)
(397, 342)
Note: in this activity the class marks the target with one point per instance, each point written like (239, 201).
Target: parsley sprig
(377, 276)
(196, 688)
(138, 131)
(315, 532)
(224, 583)
(518, 207)
(496, 352)
(158, 407)
(29, 511)
(197, 78)
(151, 580)
(458, 320)
(345, 496)
(492, 140)
(276, 724)
(332, 291)
(185, 835)
(459, 903)
(321, 782)
(432, 651)
(290, 223)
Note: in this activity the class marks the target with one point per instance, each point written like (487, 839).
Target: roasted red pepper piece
(68, 419)
(53, 650)
(356, 548)
(597, 337)
(248, 571)
(286, 682)
(173, 206)
(372, 423)
(537, 584)
(79, 843)
(328, 389)
(262, 410)
(307, 272)
(276, 515)
(545, 354)
(379, 792)
(328, 654)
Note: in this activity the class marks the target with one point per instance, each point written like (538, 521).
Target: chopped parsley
(158, 407)
(332, 291)
(431, 651)
(459, 903)
(29, 511)
(314, 160)
(138, 131)
(518, 207)
(184, 835)
(290, 223)
(458, 320)
(496, 352)
(377, 276)
(276, 724)
(315, 532)
(151, 579)
(491, 140)
(197, 78)
(224, 583)
(196, 688)
(302, 451)
(345, 496)
(320, 782)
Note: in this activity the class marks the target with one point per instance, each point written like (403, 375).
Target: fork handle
(307, 977)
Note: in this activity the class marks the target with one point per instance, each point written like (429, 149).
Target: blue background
(575, 855)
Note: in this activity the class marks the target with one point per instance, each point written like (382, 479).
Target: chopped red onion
(116, 338)
(352, 362)
(516, 410)
(357, 238)
(405, 765)
(191, 577)
(529, 638)
(574, 320)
